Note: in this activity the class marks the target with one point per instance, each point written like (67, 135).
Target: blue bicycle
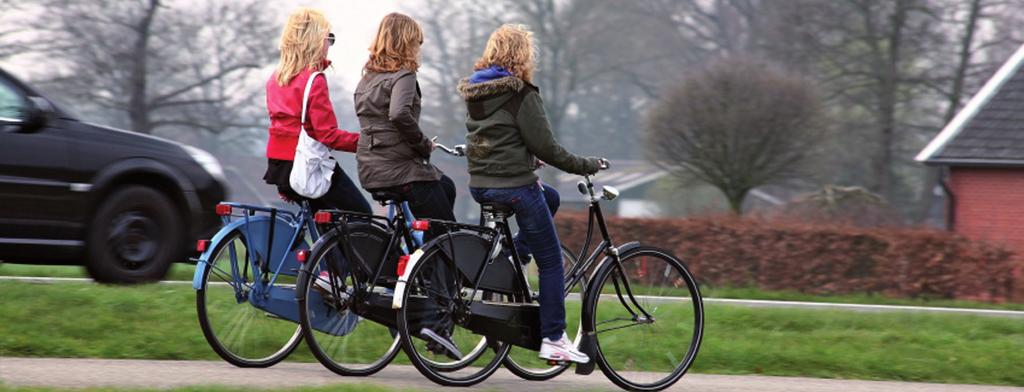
(245, 283)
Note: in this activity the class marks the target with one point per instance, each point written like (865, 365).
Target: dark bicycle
(349, 276)
(641, 314)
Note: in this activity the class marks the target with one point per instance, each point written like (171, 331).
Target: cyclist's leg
(342, 195)
(431, 200)
(553, 200)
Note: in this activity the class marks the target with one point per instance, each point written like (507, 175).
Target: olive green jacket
(509, 132)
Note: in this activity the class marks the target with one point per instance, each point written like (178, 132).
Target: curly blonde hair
(396, 46)
(510, 47)
(302, 43)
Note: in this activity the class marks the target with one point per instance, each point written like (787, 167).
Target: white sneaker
(561, 350)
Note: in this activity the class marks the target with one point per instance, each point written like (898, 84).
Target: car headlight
(207, 161)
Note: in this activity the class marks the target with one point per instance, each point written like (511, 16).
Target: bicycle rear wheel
(340, 339)
(434, 299)
(525, 363)
(238, 332)
(635, 351)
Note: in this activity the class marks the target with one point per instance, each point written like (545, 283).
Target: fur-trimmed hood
(489, 89)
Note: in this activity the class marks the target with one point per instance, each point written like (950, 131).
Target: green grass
(159, 322)
(178, 271)
(185, 271)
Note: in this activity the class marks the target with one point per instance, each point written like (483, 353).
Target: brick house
(981, 153)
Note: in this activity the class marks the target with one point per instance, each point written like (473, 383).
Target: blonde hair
(396, 46)
(302, 43)
(510, 47)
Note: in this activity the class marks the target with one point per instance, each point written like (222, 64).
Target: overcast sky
(354, 24)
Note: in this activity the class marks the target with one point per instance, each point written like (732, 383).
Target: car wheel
(133, 236)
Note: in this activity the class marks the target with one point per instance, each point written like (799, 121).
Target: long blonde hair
(510, 47)
(302, 43)
(396, 46)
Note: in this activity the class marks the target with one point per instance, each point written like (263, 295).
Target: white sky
(354, 23)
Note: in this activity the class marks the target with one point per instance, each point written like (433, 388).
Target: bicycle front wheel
(648, 319)
(238, 332)
(339, 338)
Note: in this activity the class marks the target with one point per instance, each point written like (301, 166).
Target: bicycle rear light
(421, 225)
(322, 217)
(223, 209)
(302, 256)
(403, 260)
(202, 245)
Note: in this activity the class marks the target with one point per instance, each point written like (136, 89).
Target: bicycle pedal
(552, 362)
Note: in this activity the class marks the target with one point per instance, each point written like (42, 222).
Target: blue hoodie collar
(488, 74)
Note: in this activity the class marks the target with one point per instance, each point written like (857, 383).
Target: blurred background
(869, 82)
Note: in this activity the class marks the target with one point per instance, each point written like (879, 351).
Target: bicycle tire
(672, 310)
(215, 334)
(443, 377)
(367, 241)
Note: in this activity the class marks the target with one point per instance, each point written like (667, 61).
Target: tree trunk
(138, 105)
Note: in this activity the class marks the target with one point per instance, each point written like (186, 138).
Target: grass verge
(159, 322)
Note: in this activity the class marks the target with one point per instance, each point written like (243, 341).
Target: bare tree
(737, 125)
(156, 64)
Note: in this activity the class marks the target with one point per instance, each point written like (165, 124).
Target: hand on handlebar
(603, 164)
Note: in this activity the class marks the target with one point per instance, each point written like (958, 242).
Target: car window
(12, 103)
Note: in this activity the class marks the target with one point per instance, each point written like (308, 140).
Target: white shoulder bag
(313, 165)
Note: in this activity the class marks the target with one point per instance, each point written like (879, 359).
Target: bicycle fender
(396, 301)
(202, 265)
(592, 295)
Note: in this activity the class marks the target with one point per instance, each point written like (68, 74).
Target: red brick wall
(990, 206)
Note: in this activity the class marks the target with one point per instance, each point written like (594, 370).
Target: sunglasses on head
(330, 39)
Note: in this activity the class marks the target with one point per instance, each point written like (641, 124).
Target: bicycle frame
(270, 239)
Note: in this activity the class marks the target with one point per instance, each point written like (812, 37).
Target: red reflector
(402, 261)
(223, 209)
(202, 245)
(421, 225)
(302, 256)
(322, 217)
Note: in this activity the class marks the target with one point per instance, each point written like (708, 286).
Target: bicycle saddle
(497, 208)
(382, 196)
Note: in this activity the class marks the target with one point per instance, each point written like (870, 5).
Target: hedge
(820, 259)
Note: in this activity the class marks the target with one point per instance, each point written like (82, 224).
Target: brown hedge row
(820, 259)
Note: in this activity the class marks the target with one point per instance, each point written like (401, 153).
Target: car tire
(133, 237)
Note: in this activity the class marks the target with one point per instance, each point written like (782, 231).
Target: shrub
(820, 258)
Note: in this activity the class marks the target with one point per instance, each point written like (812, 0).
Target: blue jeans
(533, 212)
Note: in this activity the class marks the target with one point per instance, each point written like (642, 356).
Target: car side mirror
(36, 114)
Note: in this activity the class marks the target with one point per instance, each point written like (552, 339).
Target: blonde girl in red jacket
(304, 43)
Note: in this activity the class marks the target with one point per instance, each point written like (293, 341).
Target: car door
(36, 192)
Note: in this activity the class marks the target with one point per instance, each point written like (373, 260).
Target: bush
(820, 259)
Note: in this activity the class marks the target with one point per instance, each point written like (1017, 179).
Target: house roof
(989, 130)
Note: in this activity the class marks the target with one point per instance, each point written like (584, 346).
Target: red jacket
(284, 105)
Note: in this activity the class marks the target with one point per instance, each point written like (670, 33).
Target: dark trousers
(533, 213)
(342, 195)
(430, 200)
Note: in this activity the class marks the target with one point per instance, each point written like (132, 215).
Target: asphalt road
(79, 373)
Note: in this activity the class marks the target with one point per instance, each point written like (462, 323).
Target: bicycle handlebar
(459, 150)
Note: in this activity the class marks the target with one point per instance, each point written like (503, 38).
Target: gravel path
(79, 373)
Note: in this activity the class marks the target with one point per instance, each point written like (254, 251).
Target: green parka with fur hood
(509, 132)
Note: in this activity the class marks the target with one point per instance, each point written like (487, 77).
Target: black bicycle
(349, 276)
(641, 314)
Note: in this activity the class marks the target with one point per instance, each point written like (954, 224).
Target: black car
(125, 205)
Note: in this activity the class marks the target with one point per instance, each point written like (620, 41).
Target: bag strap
(305, 99)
